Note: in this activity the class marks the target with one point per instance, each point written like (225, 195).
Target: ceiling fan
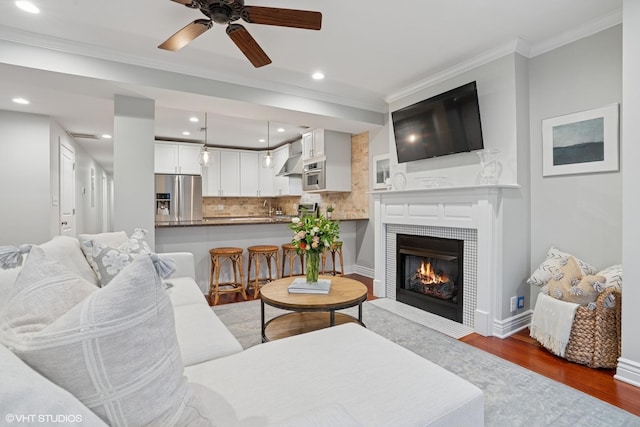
(229, 11)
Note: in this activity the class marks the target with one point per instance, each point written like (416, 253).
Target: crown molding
(519, 46)
(590, 28)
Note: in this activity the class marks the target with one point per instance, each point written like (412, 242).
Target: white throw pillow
(66, 250)
(24, 392)
(553, 261)
(43, 291)
(117, 352)
(107, 261)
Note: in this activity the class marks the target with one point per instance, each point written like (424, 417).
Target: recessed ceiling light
(194, 119)
(27, 6)
(318, 75)
(106, 136)
(280, 129)
(262, 140)
(186, 133)
(21, 101)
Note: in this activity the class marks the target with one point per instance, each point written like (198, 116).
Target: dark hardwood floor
(526, 352)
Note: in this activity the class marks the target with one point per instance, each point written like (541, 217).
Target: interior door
(67, 191)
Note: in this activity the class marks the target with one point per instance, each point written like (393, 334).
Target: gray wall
(580, 214)
(88, 216)
(24, 173)
(29, 170)
(365, 250)
(516, 206)
(133, 158)
(629, 365)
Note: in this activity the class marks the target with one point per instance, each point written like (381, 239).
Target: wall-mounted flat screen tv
(444, 124)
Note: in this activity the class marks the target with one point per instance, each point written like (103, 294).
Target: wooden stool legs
(269, 253)
(289, 252)
(335, 248)
(220, 256)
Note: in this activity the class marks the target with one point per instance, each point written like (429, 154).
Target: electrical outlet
(521, 301)
(514, 303)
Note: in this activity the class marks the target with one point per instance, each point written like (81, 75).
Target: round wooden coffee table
(309, 312)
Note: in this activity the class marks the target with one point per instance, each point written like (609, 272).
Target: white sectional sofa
(340, 376)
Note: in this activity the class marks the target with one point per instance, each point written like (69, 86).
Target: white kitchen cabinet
(335, 161)
(249, 174)
(266, 178)
(313, 144)
(222, 177)
(178, 158)
(255, 180)
(284, 185)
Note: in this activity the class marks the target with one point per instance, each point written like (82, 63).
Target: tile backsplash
(351, 205)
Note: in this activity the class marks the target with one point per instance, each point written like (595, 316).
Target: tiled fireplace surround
(471, 214)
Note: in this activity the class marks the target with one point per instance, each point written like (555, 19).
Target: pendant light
(205, 156)
(267, 160)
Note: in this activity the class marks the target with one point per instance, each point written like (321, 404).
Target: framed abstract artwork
(583, 142)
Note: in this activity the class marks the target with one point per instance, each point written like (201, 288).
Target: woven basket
(595, 335)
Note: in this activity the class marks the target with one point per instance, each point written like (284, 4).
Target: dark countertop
(222, 220)
(238, 220)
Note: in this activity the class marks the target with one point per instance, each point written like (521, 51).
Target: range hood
(293, 165)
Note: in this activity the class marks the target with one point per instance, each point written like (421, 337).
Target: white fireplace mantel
(470, 207)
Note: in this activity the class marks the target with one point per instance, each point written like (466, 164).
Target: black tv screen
(444, 124)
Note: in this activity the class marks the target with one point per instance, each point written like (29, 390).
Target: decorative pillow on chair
(107, 261)
(116, 351)
(554, 260)
(569, 285)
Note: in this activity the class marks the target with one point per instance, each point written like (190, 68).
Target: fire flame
(428, 276)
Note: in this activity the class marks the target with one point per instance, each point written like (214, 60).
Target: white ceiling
(370, 51)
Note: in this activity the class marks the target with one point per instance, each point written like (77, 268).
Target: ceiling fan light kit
(229, 11)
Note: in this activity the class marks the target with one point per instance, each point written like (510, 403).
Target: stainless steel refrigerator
(178, 198)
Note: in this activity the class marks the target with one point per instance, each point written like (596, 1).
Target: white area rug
(448, 327)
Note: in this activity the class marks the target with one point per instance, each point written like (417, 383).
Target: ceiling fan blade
(186, 35)
(293, 18)
(184, 2)
(247, 44)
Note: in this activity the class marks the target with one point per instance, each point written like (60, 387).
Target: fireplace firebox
(430, 274)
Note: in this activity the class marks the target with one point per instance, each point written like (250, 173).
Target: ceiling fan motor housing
(227, 12)
(222, 11)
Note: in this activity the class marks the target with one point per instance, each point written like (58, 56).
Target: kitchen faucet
(264, 204)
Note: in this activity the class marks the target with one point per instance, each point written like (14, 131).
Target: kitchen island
(198, 237)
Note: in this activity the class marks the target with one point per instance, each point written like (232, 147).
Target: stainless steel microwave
(314, 176)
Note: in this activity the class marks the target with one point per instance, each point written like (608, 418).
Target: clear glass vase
(313, 264)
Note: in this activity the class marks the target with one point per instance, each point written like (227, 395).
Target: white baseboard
(364, 271)
(511, 325)
(628, 371)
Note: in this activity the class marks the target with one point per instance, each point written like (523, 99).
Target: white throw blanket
(551, 323)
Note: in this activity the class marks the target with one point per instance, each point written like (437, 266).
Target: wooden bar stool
(219, 256)
(289, 252)
(269, 253)
(336, 247)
